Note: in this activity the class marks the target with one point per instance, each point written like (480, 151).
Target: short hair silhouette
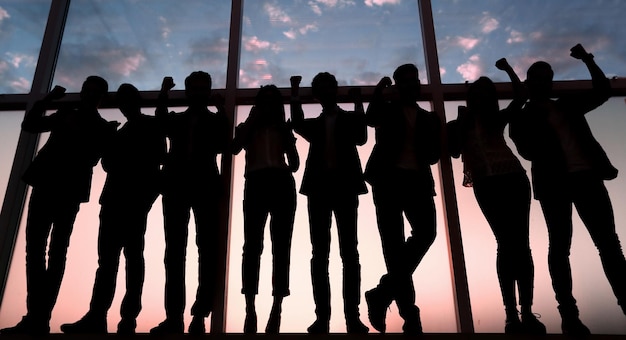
(198, 75)
(538, 68)
(100, 83)
(128, 93)
(402, 69)
(323, 79)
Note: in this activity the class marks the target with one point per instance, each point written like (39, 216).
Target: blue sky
(140, 41)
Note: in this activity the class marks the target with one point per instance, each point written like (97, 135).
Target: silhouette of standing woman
(502, 191)
(269, 189)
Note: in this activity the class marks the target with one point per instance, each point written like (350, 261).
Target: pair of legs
(321, 206)
(50, 214)
(122, 227)
(505, 202)
(267, 192)
(177, 205)
(410, 193)
(587, 192)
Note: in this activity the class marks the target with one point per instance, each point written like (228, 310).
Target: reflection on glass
(597, 304)
(472, 35)
(432, 279)
(140, 42)
(22, 23)
(10, 127)
(357, 41)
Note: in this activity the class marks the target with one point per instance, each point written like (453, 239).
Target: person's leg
(345, 207)
(176, 219)
(255, 211)
(319, 228)
(594, 207)
(206, 212)
(557, 210)
(283, 209)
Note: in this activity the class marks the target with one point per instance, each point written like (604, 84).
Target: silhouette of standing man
(407, 143)
(569, 167)
(60, 176)
(332, 181)
(269, 189)
(191, 182)
(133, 165)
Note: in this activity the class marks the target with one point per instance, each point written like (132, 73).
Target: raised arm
(601, 90)
(162, 101)
(35, 120)
(376, 108)
(297, 114)
(519, 94)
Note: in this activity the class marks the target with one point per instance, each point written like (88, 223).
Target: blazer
(388, 119)
(350, 131)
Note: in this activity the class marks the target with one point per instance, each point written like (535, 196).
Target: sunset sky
(140, 41)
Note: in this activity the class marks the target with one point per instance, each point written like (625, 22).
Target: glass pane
(10, 127)
(22, 24)
(140, 42)
(472, 35)
(597, 304)
(358, 41)
(433, 284)
(82, 262)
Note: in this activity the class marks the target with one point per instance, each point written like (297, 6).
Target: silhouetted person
(332, 182)
(60, 176)
(502, 191)
(191, 182)
(407, 143)
(569, 167)
(133, 164)
(269, 189)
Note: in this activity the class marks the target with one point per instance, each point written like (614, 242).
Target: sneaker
(169, 326)
(273, 323)
(88, 324)
(250, 323)
(197, 325)
(27, 326)
(319, 327)
(413, 323)
(377, 306)
(573, 326)
(531, 324)
(355, 326)
(126, 326)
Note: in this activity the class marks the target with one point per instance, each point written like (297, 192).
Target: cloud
(471, 69)
(291, 34)
(515, 37)
(467, 43)
(489, 24)
(18, 60)
(165, 28)
(254, 44)
(127, 65)
(22, 85)
(3, 14)
(276, 14)
(306, 28)
(371, 3)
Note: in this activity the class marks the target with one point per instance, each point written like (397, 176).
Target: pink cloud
(276, 14)
(306, 28)
(19, 59)
(128, 65)
(3, 14)
(371, 3)
(489, 24)
(21, 84)
(472, 69)
(515, 37)
(254, 44)
(467, 43)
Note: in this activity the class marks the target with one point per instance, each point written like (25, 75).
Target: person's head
(269, 101)
(539, 80)
(128, 100)
(93, 91)
(407, 82)
(324, 87)
(482, 96)
(198, 88)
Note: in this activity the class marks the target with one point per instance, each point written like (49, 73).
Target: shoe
(377, 306)
(531, 324)
(413, 323)
(573, 326)
(126, 326)
(355, 326)
(512, 325)
(249, 325)
(88, 324)
(273, 324)
(169, 326)
(319, 327)
(197, 325)
(27, 326)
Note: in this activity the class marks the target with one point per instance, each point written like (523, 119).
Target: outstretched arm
(35, 120)
(519, 94)
(601, 85)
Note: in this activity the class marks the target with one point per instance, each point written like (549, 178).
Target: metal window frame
(436, 92)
